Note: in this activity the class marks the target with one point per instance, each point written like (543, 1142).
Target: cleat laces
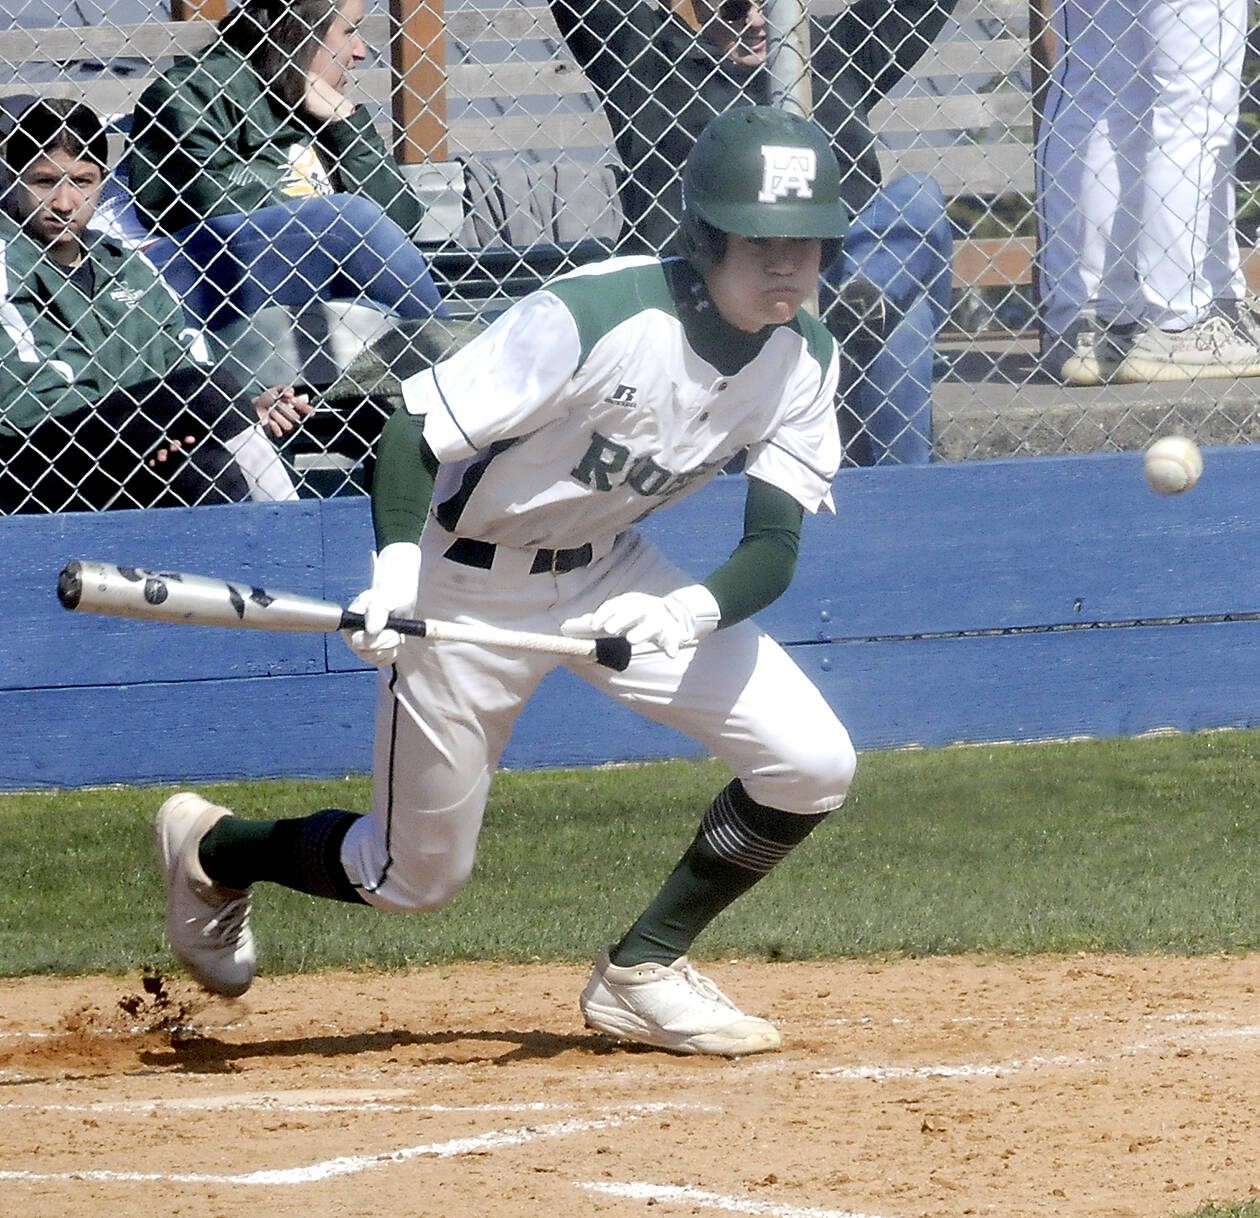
(703, 986)
(224, 929)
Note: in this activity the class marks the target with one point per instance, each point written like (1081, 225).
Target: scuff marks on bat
(257, 596)
(155, 590)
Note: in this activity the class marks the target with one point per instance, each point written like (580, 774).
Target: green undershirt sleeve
(402, 483)
(762, 565)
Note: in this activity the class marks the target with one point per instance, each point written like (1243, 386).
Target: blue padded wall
(1002, 600)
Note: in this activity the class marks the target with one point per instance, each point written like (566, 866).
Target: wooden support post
(418, 57)
(209, 10)
(687, 11)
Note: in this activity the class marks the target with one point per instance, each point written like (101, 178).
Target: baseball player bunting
(507, 493)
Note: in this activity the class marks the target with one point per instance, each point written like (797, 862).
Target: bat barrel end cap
(70, 584)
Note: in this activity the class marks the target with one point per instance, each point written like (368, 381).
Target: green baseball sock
(739, 841)
(304, 854)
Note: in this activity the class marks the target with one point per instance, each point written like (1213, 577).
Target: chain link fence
(336, 210)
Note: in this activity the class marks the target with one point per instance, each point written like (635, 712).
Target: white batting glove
(668, 623)
(395, 584)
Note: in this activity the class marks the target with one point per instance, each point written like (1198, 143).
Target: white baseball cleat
(208, 924)
(671, 1007)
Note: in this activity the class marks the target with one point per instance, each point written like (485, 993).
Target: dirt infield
(1089, 1086)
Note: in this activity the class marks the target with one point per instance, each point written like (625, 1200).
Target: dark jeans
(97, 460)
(901, 242)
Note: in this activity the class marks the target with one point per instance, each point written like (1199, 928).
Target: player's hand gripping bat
(171, 596)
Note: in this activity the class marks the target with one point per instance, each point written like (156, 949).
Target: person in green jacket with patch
(103, 403)
(268, 183)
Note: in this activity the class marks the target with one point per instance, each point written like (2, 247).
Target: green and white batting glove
(668, 623)
(395, 585)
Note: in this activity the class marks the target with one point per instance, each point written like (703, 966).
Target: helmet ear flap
(700, 243)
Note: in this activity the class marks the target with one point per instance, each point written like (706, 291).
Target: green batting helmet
(760, 172)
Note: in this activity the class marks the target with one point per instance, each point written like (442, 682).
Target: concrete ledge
(997, 403)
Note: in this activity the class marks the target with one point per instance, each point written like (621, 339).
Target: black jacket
(660, 83)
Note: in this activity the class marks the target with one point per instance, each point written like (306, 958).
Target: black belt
(469, 552)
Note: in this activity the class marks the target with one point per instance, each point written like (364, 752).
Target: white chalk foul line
(348, 1165)
(350, 1102)
(658, 1193)
(1019, 1065)
(964, 1070)
(1050, 1017)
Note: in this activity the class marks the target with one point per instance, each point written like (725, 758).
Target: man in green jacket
(270, 185)
(103, 403)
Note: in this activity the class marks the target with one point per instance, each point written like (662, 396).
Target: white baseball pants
(445, 712)
(1135, 161)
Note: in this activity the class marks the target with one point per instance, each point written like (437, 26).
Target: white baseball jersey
(588, 405)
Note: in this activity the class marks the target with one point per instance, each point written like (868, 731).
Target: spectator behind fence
(661, 81)
(1140, 272)
(270, 184)
(102, 404)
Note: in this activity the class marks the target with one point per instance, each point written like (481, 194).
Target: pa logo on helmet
(787, 171)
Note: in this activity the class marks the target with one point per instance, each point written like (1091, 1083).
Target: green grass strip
(1247, 1209)
(1134, 846)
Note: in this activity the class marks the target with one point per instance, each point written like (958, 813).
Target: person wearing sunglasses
(663, 73)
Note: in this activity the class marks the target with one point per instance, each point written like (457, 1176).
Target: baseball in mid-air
(1172, 464)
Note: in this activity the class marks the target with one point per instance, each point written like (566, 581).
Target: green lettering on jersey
(645, 477)
(601, 459)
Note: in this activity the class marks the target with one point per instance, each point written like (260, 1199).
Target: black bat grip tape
(404, 625)
(613, 652)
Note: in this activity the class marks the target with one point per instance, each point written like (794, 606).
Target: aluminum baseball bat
(87, 586)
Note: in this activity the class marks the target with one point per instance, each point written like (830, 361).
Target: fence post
(788, 65)
(418, 58)
(1042, 52)
(788, 61)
